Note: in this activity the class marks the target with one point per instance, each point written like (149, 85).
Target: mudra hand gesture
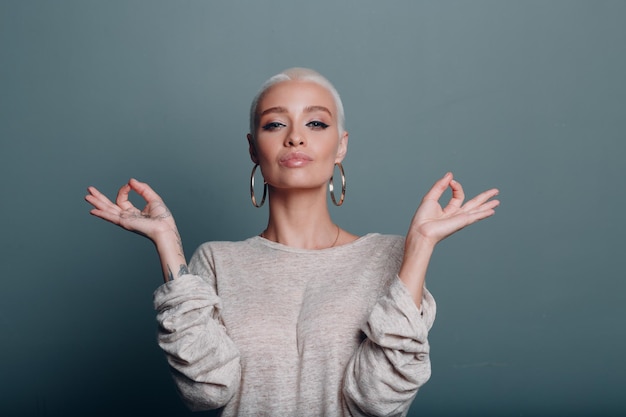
(155, 221)
(432, 223)
(152, 220)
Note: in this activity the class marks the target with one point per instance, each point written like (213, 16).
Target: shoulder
(208, 254)
(377, 248)
(382, 241)
(387, 249)
(210, 249)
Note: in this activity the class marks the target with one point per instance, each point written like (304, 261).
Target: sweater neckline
(279, 246)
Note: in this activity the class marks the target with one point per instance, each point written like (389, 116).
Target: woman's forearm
(414, 266)
(170, 249)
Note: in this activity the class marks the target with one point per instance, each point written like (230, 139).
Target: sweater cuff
(427, 310)
(395, 321)
(181, 289)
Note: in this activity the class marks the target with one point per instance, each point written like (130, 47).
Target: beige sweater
(263, 329)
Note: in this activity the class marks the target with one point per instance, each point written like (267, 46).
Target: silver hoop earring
(331, 187)
(252, 189)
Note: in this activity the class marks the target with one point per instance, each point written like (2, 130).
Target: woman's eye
(272, 126)
(316, 124)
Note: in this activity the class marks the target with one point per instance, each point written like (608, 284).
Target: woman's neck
(301, 219)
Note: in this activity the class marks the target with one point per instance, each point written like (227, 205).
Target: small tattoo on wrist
(183, 270)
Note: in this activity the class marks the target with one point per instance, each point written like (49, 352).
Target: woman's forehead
(297, 93)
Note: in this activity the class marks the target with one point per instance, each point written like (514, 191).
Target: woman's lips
(295, 159)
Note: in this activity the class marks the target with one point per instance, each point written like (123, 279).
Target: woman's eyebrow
(310, 109)
(273, 110)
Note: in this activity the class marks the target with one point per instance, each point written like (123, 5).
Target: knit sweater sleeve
(203, 359)
(392, 363)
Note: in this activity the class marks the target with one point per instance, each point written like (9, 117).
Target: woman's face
(297, 141)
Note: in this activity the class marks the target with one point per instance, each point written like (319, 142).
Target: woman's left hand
(432, 223)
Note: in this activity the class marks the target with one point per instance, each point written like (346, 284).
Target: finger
(491, 204)
(458, 196)
(103, 207)
(144, 190)
(99, 200)
(481, 199)
(480, 215)
(95, 194)
(107, 215)
(438, 188)
(463, 220)
(483, 211)
(122, 198)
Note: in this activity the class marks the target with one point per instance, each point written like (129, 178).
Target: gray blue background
(527, 96)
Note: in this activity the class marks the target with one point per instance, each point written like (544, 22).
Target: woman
(305, 318)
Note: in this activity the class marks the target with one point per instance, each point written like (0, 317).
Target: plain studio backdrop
(527, 96)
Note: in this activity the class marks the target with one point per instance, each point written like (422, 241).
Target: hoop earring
(252, 189)
(331, 187)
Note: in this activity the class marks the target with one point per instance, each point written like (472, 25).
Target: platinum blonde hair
(297, 74)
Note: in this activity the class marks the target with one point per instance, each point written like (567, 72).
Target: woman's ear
(252, 149)
(342, 148)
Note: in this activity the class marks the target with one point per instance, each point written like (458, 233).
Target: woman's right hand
(154, 220)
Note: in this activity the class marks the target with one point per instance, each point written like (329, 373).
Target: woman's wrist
(417, 253)
(167, 239)
(170, 249)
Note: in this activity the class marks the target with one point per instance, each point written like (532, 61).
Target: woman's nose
(295, 138)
